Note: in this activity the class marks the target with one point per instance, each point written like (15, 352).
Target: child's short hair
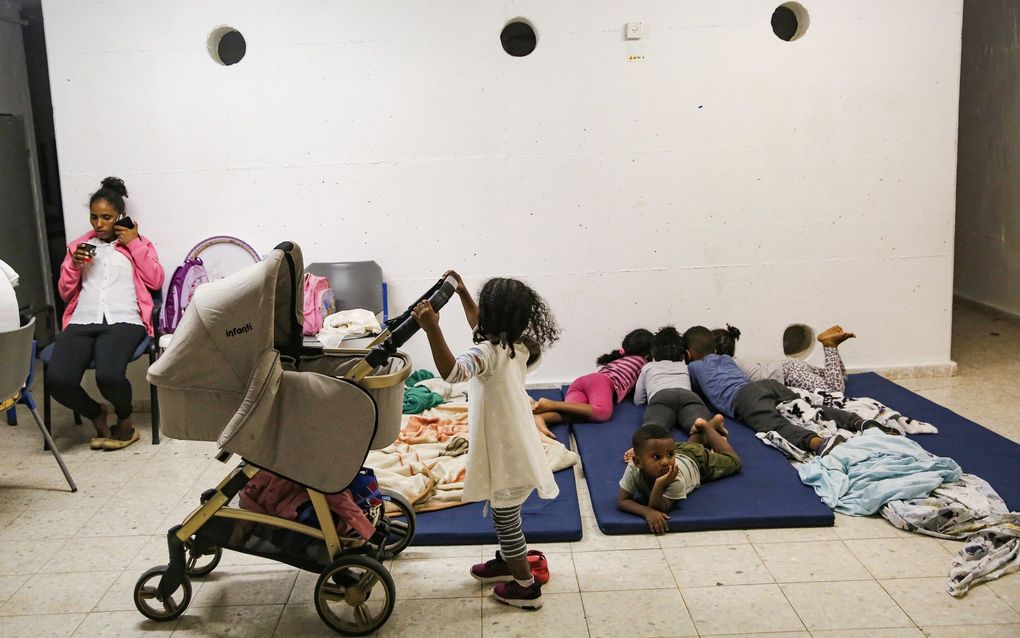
(699, 340)
(508, 309)
(637, 342)
(647, 433)
(668, 345)
(726, 339)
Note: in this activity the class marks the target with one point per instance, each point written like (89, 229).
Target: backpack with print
(319, 303)
(190, 275)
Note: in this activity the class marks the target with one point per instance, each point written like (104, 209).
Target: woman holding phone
(105, 279)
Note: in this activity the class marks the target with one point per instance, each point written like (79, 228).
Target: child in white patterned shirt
(793, 371)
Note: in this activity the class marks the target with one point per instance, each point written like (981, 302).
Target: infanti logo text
(240, 330)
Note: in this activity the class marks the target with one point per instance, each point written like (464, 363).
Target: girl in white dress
(505, 460)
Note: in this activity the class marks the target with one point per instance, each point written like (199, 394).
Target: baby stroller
(238, 374)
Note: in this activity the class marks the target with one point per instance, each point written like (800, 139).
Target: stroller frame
(354, 593)
(353, 569)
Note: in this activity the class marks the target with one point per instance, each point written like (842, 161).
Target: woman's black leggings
(110, 346)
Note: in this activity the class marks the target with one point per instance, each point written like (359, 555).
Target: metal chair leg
(12, 416)
(153, 397)
(46, 407)
(155, 414)
(53, 448)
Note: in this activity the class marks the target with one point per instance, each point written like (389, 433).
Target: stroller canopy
(222, 379)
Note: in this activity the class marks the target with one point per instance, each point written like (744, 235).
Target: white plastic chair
(17, 363)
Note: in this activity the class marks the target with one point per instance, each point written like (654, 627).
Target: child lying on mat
(755, 403)
(665, 385)
(793, 371)
(666, 471)
(591, 398)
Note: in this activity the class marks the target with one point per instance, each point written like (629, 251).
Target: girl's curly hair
(668, 345)
(509, 310)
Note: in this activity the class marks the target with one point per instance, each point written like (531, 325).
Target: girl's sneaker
(513, 594)
(492, 571)
(497, 571)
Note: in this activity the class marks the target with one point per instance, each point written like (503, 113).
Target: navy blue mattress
(545, 521)
(766, 493)
(979, 451)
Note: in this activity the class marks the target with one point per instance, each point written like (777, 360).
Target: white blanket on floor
(428, 462)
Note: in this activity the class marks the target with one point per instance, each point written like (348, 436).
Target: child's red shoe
(539, 566)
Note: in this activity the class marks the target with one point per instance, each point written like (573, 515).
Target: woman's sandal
(97, 442)
(117, 444)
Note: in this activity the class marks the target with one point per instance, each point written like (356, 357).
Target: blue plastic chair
(17, 367)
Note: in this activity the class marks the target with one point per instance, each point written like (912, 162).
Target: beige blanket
(426, 464)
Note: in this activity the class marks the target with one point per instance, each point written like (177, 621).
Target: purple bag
(189, 276)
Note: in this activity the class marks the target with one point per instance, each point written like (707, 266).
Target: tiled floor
(68, 562)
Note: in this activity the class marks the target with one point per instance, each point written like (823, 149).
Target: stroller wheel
(402, 525)
(202, 563)
(355, 595)
(148, 603)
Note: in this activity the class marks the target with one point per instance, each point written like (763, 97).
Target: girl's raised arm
(429, 322)
(470, 307)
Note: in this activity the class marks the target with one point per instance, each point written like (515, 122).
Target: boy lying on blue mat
(666, 471)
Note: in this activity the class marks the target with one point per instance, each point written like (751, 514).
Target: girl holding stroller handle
(105, 279)
(505, 460)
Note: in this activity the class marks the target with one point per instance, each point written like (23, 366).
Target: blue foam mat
(545, 521)
(978, 450)
(766, 493)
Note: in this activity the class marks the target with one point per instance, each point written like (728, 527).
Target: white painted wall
(707, 173)
(988, 185)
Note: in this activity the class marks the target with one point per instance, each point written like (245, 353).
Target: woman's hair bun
(734, 331)
(116, 185)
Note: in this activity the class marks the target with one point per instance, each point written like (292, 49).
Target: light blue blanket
(860, 476)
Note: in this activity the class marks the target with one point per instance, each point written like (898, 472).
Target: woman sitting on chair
(105, 279)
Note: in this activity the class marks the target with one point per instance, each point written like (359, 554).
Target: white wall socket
(634, 30)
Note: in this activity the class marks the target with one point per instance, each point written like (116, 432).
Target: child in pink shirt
(591, 398)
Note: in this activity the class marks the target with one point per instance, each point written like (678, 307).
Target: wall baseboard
(988, 309)
(934, 371)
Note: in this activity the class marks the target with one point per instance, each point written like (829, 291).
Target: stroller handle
(405, 326)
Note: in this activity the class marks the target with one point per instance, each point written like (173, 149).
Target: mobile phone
(89, 249)
(125, 222)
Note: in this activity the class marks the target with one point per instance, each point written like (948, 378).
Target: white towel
(346, 323)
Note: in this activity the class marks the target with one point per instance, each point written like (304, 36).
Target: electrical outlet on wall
(634, 30)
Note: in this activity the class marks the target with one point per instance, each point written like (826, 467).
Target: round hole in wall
(789, 21)
(226, 45)
(798, 340)
(518, 38)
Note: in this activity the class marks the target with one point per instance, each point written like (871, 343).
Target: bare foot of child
(628, 456)
(719, 425)
(542, 405)
(833, 336)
